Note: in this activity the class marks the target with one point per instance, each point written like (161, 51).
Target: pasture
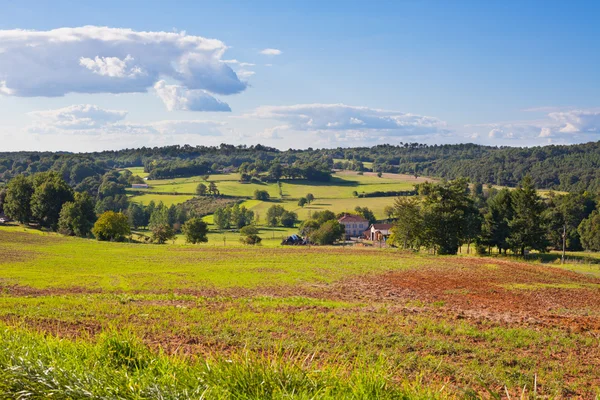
(94, 319)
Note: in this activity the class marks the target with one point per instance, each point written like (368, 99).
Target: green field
(336, 195)
(81, 318)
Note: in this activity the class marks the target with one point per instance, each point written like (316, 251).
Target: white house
(354, 224)
(379, 232)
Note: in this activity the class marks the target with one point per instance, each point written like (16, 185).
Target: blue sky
(348, 73)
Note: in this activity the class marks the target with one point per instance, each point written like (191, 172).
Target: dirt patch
(500, 290)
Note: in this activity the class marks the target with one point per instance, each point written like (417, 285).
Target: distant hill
(564, 168)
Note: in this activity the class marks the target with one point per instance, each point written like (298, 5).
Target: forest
(571, 168)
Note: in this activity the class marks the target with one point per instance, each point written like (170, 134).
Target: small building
(4, 219)
(379, 232)
(139, 186)
(355, 225)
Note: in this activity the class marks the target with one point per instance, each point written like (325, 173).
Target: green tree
(162, 232)
(302, 202)
(589, 231)
(249, 235)
(212, 189)
(328, 233)
(201, 189)
(2, 200)
(288, 219)
(261, 195)
(528, 227)
(274, 214)
(447, 207)
(496, 222)
(77, 217)
(195, 231)
(51, 192)
(17, 204)
(366, 213)
(137, 216)
(111, 226)
(408, 228)
(310, 198)
(222, 218)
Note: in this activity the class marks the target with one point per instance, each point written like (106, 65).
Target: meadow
(81, 318)
(336, 195)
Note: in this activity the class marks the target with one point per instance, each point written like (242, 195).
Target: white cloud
(565, 125)
(112, 66)
(354, 121)
(78, 117)
(88, 119)
(273, 132)
(577, 121)
(271, 52)
(94, 59)
(178, 97)
(245, 74)
(236, 62)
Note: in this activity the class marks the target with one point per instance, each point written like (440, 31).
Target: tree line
(443, 217)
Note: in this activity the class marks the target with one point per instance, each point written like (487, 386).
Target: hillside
(564, 168)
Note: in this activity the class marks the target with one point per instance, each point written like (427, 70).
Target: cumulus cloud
(94, 59)
(78, 117)
(245, 74)
(354, 121)
(85, 119)
(565, 125)
(271, 52)
(273, 132)
(178, 97)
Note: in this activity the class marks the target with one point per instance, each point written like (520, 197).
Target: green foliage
(589, 231)
(195, 231)
(77, 218)
(137, 216)
(302, 202)
(111, 226)
(528, 226)
(249, 235)
(17, 203)
(50, 193)
(161, 232)
(366, 213)
(233, 216)
(279, 216)
(261, 195)
(328, 233)
(449, 216)
(201, 189)
(310, 198)
(496, 222)
(407, 231)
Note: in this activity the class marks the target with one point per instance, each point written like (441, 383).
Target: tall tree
(17, 203)
(496, 229)
(408, 228)
(77, 217)
(51, 192)
(528, 226)
(195, 231)
(589, 230)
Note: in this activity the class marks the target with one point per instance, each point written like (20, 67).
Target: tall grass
(118, 366)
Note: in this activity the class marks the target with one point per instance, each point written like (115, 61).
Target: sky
(98, 75)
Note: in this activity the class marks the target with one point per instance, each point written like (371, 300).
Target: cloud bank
(93, 59)
(351, 120)
(86, 119)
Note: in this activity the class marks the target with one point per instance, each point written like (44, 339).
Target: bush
(111, 226)
(261, 195)
(251, 239)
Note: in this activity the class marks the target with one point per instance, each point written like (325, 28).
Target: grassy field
(80, 318)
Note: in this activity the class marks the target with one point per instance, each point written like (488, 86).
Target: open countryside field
(222, 322)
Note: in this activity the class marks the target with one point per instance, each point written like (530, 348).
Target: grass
(80, 318)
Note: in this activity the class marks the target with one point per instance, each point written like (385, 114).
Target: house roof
(382, 227)
(352, 218)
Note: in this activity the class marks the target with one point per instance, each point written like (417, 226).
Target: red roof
(352, 218)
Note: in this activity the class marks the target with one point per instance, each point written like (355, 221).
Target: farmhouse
(354, 224)
(139, 186)
(378, 232)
